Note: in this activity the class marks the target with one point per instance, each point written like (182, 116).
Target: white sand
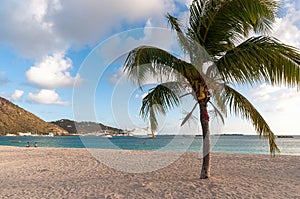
(74, 173)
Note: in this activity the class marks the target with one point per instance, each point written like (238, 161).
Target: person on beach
(27, 145)
(35, 144)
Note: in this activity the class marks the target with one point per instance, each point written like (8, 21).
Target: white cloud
(96, 18)
(52, 72)
(17, 95)
(47, 26)
(274, 109)
(286, 29)
(276, 97)
(264, 90)
(263, 98)
(24, 28)
(46, 96)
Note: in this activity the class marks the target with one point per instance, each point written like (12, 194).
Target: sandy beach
(75, 173)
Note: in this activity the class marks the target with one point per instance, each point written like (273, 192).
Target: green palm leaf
(240, 106)
(158, 101)
(183, 40)
(188, 115)
(261, 59)
(220, 23)
(146, 61)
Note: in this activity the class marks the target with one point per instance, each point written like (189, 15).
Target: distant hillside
(85, 127)
(14, 119)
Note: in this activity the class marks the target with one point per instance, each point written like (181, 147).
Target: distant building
(10, 134)
(24, 134)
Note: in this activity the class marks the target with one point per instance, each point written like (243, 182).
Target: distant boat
(15, 141)
(108, 136)
(285, 136)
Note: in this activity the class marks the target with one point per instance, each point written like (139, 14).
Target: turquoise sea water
(246, 144)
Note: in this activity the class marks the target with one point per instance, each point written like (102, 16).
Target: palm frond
(217, 112)
(240, 106)
(261, 59)
(184, 42)
(146, 61)
(217, 99)
(187, 94)
(220, 23)
(189, 115)
(158, 101)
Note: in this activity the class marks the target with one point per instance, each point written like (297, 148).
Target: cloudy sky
(57, 54)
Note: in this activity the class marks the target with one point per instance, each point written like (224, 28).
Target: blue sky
(54, 44)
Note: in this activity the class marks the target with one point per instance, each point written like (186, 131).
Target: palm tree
(220, 28)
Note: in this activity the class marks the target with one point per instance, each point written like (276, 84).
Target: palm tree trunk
(204, 119)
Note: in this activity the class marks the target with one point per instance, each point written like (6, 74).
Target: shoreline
(75, 173)
(141, 150)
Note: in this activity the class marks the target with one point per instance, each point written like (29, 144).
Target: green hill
(85, 127)
(14, 119)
